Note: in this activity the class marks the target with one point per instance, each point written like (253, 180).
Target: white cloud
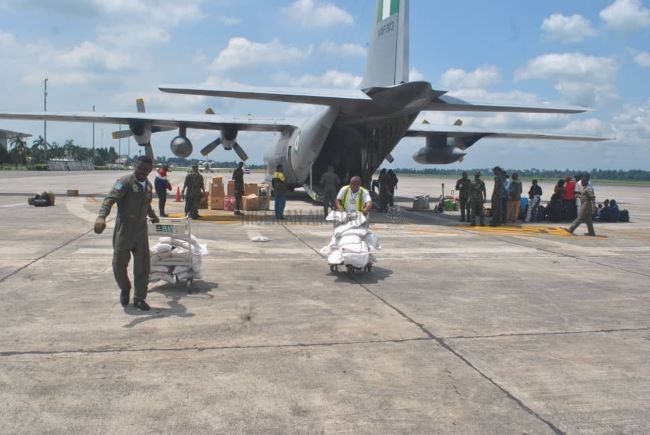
(90, 56)
(346, 49)
(302, 110)
(331, 79)
(626, 15)
(314, 13)
(567, 29)
(241, 53)
(6, 38)
(632, 124)
(415, 75)
(156, 101)
(482, 77)
(643, 59)
(579, 78)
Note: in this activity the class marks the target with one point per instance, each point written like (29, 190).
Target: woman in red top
(569, 198)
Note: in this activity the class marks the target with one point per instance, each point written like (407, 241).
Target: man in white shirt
(353, 198)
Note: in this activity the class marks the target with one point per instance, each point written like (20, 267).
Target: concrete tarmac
(519, 329)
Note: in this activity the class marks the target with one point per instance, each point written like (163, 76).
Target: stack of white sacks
(170, 259)
(352, 242)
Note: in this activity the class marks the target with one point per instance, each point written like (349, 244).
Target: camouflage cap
(477, 173)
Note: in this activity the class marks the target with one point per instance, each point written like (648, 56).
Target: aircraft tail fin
(388, 53)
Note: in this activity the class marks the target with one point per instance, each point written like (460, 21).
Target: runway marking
(18, 204)
(519, 230)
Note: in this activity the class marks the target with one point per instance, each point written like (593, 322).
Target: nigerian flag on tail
(386, 8)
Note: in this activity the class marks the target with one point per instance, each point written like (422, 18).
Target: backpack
(624, 216)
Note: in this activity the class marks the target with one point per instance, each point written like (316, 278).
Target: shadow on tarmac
(360, 277)
(173, 294)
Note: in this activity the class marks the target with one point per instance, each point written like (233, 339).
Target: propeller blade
(122, 134)
(209, 111)
(210, 147)
(390, 158)
(139, 103)
(240, 151)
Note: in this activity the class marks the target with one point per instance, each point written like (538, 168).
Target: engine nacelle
(228, 137)
(141, 132)
(181, 146)
(438, 155)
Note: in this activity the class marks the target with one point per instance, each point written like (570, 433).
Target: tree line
(37, 154)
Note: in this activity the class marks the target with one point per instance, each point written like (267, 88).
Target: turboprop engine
(440, 149)
(438, 155)
(181, 146)
(228, 140)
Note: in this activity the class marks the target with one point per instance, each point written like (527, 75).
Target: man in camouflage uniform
(133, 194)
(193, 189)
(498, 195)
(587, 199)
(238, 177)
(463, 188)
(477, 197)
(330, 183)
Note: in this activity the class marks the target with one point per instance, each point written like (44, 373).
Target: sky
(107, 53)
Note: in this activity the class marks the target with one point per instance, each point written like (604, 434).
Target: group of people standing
(506, 197)
(471, 196)
(574, 199)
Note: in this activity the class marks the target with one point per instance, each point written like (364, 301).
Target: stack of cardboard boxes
(256, 197)
(216, 194)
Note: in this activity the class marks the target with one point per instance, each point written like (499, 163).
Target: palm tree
(20, 151)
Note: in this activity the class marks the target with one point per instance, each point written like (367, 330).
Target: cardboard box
(251, 203)
(215, 203)
(217, 180)
(250, 189)
(231, 188)
(217, 190)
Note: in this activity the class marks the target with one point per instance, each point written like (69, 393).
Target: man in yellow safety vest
(353, 198)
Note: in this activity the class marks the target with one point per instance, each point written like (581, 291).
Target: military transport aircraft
(356, 130)
(6, 135)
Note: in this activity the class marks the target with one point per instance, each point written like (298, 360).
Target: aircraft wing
(452, 104)
(161, 121)
(8, 134)
(424, 130)
(325, 97)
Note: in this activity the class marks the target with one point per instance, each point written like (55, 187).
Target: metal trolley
(342, 218)
(180, 229)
